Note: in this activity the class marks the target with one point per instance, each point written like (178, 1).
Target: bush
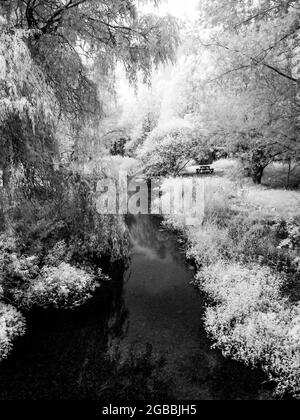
(62, 287)
(12, 325)
(252, 322)
(58, 254)
(218, 195)
(292, 235)
(16, 271)
(169, 148)
(209, 244)
(7, 243)
(48, 282)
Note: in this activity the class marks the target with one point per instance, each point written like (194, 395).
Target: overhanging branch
(253, 60)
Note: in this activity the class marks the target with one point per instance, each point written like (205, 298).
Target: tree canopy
(242, 82)
(58, 58)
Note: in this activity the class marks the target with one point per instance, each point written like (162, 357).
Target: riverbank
(247, 260)
(53, 249)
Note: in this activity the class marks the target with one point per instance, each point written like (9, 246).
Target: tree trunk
(258, 164)
(289, 174)
(257, 174)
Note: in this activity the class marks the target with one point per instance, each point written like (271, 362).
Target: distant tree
(241, 80)
(141, 111)
(170, 148)
(258, 49)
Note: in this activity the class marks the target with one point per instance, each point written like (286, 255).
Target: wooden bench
(205, 170)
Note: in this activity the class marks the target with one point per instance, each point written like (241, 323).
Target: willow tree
(27, 107)
(54, 53)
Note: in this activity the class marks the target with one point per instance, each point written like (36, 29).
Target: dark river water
(141, 337)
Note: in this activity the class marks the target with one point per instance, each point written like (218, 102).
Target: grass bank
(248, 264)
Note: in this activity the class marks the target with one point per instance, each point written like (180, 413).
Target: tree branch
(253, 60)
(59, 13)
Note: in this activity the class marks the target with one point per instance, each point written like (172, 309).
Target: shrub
(49, 281)
(218, 196)
(292, 239)
(169, 148)
(252, 322)
(62, 287)
(209, 243)
(16, 271)
(12, 325)
(254, 240)
(7, 243)
(58, 254)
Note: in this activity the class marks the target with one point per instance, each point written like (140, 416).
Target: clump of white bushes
(251, 321)
(12, 325)
(62, 287)
(52, 283)
(26, 283)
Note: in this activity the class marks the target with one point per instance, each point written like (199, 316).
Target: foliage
(57, 285)
(238, 80)
(27, 106)
(251, 321)
(105, 31)
(293, 235)
(55, 228)
(30, 282)
(248, 267)
(16, 271)
(23, 86)
(65, 210)
(136, 112)
(62, 287)
(56, 60)
(12, 325)
(169, 148)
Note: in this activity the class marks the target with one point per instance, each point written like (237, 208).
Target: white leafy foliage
(252, 322)
(2, 68)
(170, 147)
(23, 88)
(12, 325)
(62, 287)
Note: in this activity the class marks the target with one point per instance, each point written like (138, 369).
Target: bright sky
(178, 8)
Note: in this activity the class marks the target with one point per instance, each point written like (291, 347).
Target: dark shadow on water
(141, 337)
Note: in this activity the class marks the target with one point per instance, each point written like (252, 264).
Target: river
(140, 337)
